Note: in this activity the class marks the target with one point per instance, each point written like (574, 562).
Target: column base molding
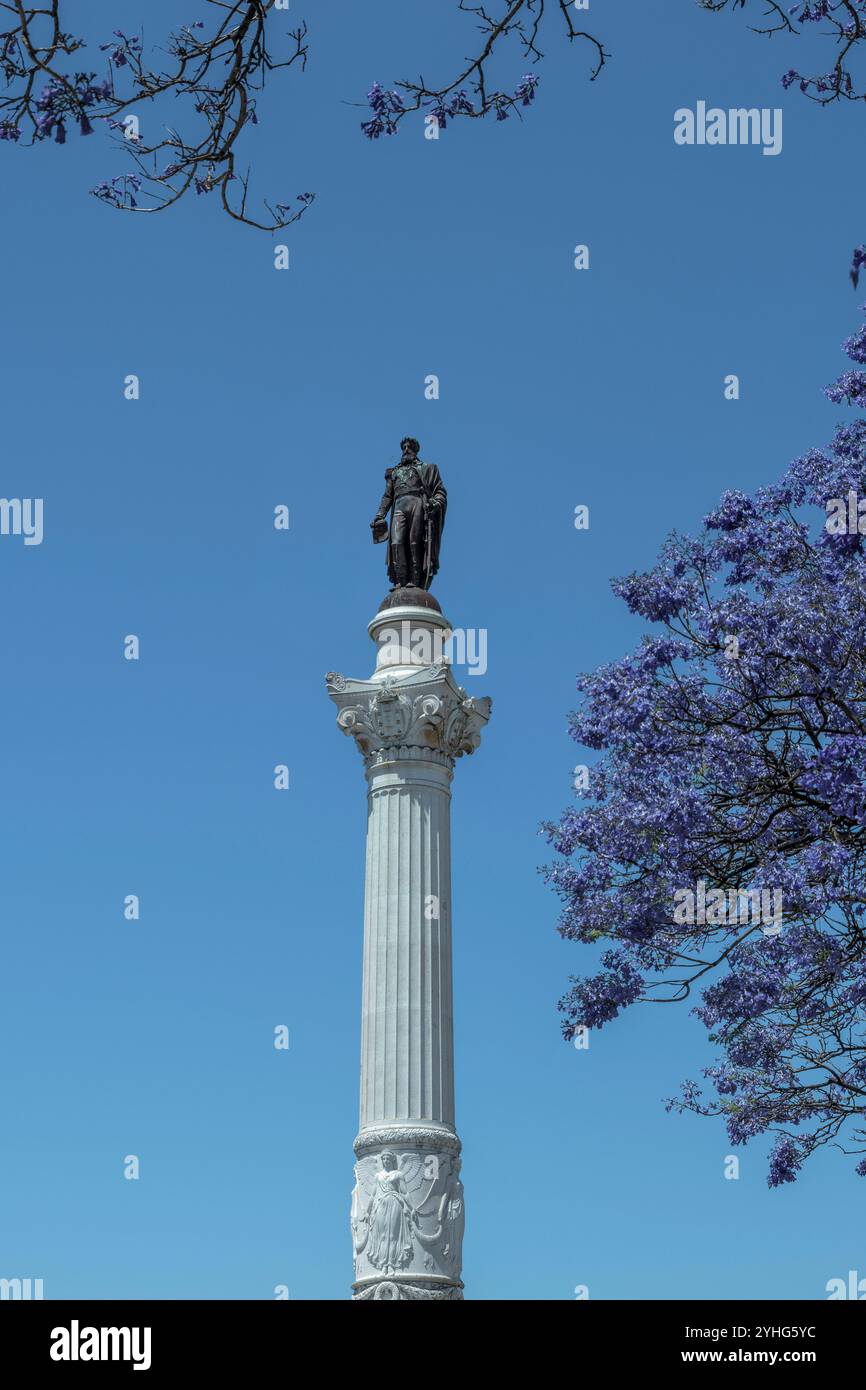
(434, 1139)
(403, 1290)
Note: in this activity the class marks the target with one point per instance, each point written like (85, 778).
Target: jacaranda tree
(196, 91)
(182, 108)
(718, 853)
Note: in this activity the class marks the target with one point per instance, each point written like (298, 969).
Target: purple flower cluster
(385, 106)
(61, 101)
(850, 387)
(616, 987)
(785, 1161)
(525, 93)
(122, 49)
(303, 198)
(810, 13)
(119, 192)
(459, 105)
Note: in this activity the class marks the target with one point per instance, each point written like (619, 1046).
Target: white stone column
(410, 721)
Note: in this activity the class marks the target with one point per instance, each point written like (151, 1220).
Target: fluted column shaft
(407, 1052)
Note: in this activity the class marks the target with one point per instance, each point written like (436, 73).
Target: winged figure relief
(401, 1201)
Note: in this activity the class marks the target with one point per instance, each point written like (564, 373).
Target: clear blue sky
(155, 778)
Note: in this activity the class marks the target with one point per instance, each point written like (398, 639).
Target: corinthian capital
(426, 710)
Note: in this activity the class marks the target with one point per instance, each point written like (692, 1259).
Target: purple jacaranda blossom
(461, 105)
(385, 106)
(855, 346)
(785, 1161)
(120, 191)
(303, 198)
(60, 101)
(525, 93)
(122, 49)
(850, 387)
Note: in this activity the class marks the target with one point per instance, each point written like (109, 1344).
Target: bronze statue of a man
(416, 499)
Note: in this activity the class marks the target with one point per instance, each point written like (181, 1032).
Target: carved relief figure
(392, 1203)
(452, 1216)
(391, 1219)
(385, 1228)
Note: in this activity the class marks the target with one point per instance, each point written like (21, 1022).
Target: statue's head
(410, 446)
(389, 1161)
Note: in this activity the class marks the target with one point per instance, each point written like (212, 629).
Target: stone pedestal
(410, 721)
